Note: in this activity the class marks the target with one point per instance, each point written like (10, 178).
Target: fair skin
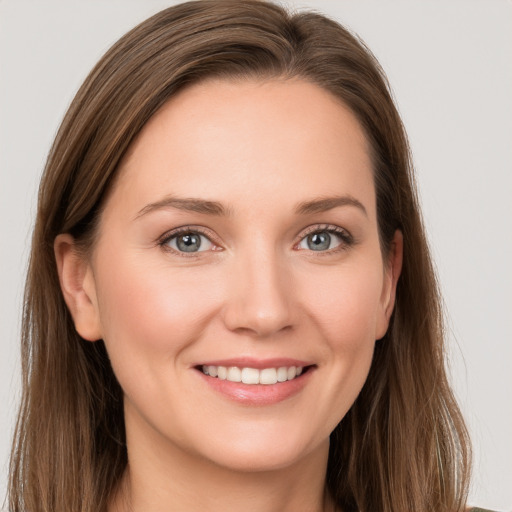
(281, 267)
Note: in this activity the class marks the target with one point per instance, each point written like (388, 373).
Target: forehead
(240, 141)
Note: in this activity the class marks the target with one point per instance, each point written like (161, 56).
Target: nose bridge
(259, 298)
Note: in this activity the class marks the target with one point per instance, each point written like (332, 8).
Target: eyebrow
(215, 208)
(189, 204)
(323, 204)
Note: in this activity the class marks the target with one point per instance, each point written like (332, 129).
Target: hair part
(403, 445)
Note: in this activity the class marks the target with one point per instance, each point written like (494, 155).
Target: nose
(260, 295)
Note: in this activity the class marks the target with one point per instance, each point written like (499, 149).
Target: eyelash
(347, 240)
(170, 235)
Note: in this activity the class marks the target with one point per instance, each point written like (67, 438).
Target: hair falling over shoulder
(403, 445)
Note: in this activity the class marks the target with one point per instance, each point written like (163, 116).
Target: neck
(158, 480)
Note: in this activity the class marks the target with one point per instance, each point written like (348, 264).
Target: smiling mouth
(246, 375)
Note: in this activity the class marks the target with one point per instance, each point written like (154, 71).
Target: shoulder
(478, 509)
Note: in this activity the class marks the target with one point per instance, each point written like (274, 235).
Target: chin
(256, 462)
(262, 453)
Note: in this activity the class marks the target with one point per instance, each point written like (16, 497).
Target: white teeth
(268, 376)
(282, 374)
(234, 374)
(252, 375)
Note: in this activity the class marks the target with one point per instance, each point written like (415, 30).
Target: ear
(392, 273)
(78, 287)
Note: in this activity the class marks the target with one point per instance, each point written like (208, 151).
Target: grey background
(450, 66)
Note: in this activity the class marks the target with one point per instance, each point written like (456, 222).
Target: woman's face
(241, 238)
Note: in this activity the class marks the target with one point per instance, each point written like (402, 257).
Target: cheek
(342, 305)
(345, 303)
(150, 312)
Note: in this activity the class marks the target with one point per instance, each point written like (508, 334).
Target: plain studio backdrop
(450, 66)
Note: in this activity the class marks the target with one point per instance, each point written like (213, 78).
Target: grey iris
(319, 241)
(189, 242)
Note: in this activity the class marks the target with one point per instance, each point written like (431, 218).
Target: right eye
(188, 242)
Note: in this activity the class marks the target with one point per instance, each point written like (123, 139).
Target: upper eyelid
(163, 241)
(172, 233)
(323, 227)
(347, 240)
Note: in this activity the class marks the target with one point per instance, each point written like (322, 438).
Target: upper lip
(259, 364)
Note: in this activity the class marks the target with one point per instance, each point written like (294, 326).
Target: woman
(230, 300)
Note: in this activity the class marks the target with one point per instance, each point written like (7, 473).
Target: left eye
(321, 241)
(191, 241)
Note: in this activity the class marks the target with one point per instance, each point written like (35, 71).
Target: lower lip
(258, 394)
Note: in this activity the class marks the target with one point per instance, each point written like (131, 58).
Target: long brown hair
(403, 445)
